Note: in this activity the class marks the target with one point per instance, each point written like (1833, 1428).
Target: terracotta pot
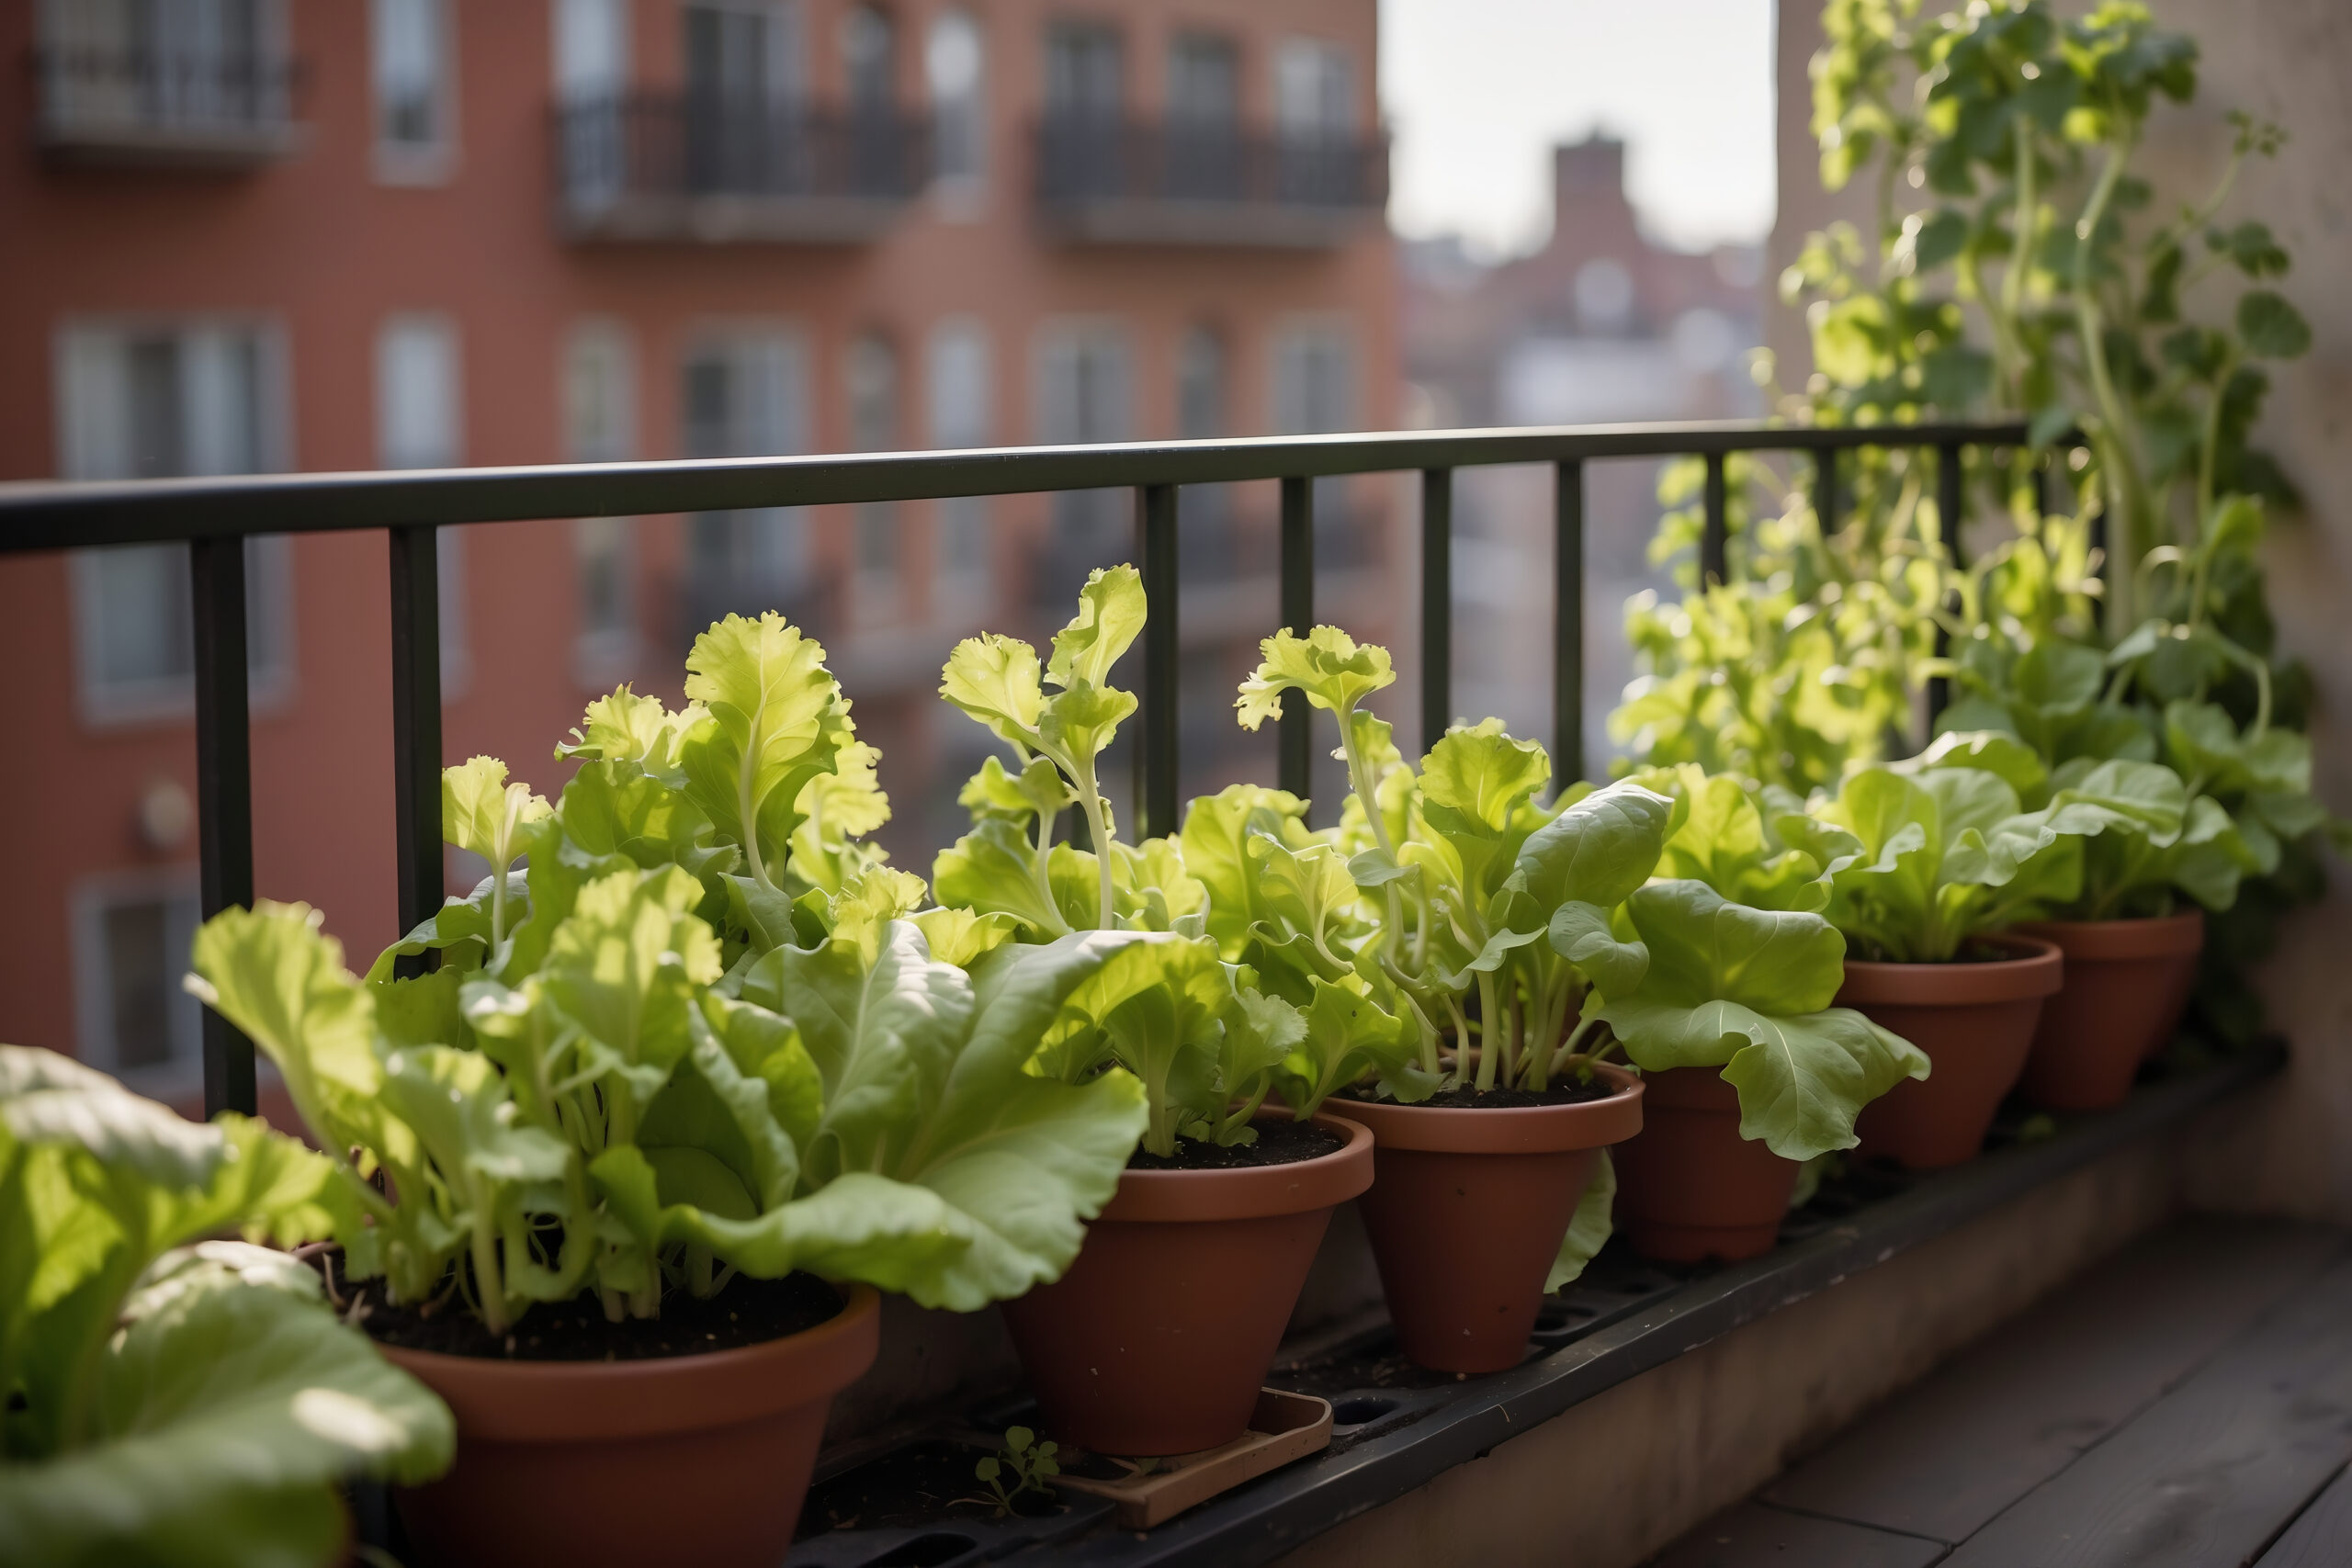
(2127, 982)
(1159, 1338)
(1976, 1021)
(1466, 1218)
(687, 1458)
(1690, 1186)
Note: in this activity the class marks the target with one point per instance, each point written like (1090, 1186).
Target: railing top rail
(47, 515)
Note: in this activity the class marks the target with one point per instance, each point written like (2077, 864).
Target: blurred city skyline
(1476, 94)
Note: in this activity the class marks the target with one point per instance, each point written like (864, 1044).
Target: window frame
(270, 610)
(90, 899)
(426, 162)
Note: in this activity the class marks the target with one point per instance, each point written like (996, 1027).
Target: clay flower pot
(701, 1459)
(1466, 1218)
(1690, 1186)
(1976, 1021)
(2127, 982)
(1159, 1338)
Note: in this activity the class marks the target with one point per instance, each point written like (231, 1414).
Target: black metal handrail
(213, 516)
(1089, 158)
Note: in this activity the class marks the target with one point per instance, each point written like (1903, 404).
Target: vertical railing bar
(1949, 499)
(223, 790)
(1715, 542)
(416, 722)
(1156, 764)
(1825, 490)
(1436, 604)
(1294, 753)
(1568, 623)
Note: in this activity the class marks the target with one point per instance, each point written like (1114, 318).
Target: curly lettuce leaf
(1749, 991)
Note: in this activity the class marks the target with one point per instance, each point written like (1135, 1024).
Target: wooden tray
(1282, 1427)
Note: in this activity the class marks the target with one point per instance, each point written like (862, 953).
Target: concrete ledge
(1623, 1473)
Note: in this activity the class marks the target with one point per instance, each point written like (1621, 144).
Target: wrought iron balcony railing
(192, 107)
(1125, 182)
(212, 516)
(696, 168)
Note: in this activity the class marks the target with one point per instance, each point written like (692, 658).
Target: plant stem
(2121, 472)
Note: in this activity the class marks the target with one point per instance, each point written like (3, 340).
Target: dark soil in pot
(2127, 982)
(1975, 1021)
(1690, 1188)
(1278, 1143)
(748, 1312)
(1466, 1218)
(662, 1454)
(1159, 1338)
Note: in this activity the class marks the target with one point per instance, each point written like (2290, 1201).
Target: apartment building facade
(250, 235)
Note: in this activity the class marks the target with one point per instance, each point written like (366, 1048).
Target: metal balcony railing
(213, 516)
(691, 166)
(1179, 182)
(196, 106)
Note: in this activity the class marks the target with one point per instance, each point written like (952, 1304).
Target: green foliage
(1024, 1461)
(648, 1069)
(171, 1398)
(1748, 990)
(999, 681)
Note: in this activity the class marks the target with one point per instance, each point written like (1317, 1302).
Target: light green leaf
(231, 1408)
(1327, 664)
(1110, 616)
(777, 721)
(1589, 1230)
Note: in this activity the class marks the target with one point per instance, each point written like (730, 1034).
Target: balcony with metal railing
(705, 169)
(192, 107)
(1134, 182)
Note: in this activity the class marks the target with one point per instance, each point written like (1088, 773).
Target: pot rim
(1509, 1130)
(2176, 935)
(1248, 1192)
(554, 1401)
(2039, 970)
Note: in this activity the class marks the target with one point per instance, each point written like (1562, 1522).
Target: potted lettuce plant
(1438, 894)
(621, 1177)
(1748, 1071)
(172, 1397)
(1929, 865)
(1156, 1339)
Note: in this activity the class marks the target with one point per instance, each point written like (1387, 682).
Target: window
(1203, 82)
(1082, 395)
(166, 64)
(869, 60)
(1314, 91)
(1201, 414)
(419, 425)
(600, 426)
(1313, 394)
(742, 58)
(415, 97)
(960, 399)
(745, 394)
(956, 65)
(131, 942)
(1314, 378)
(150, 399)
(871, 371)
(1083, 73)
(591, 51)
(1200, 385)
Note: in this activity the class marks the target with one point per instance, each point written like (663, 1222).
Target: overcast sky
(1476, 92)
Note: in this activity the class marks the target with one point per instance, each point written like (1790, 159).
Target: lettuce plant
(659, 1054)
(1922, 859)
(169, 1397)
(1742, 969)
